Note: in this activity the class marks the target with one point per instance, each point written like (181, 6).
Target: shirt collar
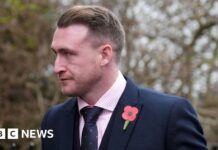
(110, 98)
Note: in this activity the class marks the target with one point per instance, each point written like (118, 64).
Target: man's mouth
(64, 79)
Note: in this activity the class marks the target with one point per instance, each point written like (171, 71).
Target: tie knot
(91, 114)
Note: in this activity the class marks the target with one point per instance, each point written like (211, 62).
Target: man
(107, 111)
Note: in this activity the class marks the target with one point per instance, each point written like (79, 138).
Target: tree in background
(27, 86)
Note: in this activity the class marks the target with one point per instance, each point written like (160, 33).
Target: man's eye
(67, 53)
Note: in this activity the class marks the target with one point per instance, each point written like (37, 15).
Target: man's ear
(106, 54)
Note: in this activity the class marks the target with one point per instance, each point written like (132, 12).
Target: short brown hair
(102, 23)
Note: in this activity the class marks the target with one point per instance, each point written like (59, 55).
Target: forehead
(69, 36)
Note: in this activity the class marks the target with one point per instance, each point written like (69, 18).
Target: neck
(101, 87)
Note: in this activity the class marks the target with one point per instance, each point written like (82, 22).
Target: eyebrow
(63, 50)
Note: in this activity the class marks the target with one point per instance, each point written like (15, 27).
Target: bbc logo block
(12, 133)
(2, 133)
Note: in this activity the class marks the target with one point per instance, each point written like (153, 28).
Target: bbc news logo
(15, 133)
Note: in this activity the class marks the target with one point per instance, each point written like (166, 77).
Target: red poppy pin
(129, 114)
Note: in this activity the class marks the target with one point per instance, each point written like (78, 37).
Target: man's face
(77, 63)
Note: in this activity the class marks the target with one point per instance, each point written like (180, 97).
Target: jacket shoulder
(56, 112)
(151, 96)
(65, 106)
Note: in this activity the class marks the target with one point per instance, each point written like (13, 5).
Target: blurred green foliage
(26, 89)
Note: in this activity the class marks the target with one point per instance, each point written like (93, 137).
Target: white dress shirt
(108, 102)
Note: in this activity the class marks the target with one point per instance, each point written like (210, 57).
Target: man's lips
(64, 79)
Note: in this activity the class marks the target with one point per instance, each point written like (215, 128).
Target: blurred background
(172, 47)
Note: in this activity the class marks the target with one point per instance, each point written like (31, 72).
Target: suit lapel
(76, 140)
(119, 137)
(67, 126)
(114, 134)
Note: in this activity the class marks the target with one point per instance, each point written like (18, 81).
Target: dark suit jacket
(164, 122)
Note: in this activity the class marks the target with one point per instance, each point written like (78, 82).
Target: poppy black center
(130, 113)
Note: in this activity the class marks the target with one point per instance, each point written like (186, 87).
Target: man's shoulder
(66, 106)
(154, 94)
(57, 112)
(153, 98)
(164, 105)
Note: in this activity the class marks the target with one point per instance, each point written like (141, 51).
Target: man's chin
(68, 92)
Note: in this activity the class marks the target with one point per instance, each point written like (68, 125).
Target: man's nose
(59, 65)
